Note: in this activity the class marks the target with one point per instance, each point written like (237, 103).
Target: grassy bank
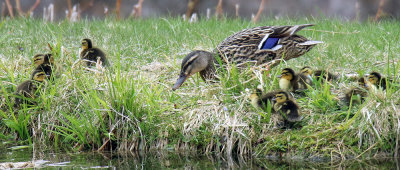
(132, 107)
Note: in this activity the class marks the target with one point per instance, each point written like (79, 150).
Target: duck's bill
(180, 81)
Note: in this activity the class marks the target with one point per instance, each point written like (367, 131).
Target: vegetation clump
(130, 105)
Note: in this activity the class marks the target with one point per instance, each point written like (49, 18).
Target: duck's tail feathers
(309, 43)
(297, 28)
(285, 31)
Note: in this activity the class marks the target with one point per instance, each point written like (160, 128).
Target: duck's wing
(258, 36)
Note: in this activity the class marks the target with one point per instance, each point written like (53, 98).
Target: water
(170, 160)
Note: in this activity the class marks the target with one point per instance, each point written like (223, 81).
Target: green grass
(131, 105)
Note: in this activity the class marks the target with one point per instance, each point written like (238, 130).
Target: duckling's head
(86, 43)
(194, 62)
(286, 76)
(39, 75)
(281, 97)
(306, 71)
(374, 78)
(38, 59)
(361, 82)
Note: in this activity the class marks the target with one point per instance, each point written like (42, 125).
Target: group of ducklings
(282, 102)
(45, 68)
(44, 64)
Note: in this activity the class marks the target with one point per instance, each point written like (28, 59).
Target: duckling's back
(92, 54)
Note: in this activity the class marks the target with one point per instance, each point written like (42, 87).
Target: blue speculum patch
(270, 43)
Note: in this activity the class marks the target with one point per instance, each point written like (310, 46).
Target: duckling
(91, 54)
(253, 46)
(28, 88)
(263, 100)
(45, 63)
(319, 74)
(357, 95)
(287, 107)
(259, 99)
(376, 81)
(289, 80)
(307, 71)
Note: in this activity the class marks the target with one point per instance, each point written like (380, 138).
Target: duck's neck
(209, 73)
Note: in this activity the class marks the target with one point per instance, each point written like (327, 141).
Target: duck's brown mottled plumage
(243, 46)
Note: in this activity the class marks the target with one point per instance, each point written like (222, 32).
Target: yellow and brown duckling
(318, 74)
(264, 100)
(44, 62)
(92, 55)
(291, 81)
(252, 46)
(357, 95)
(376, 81)
(28, 88)
(287, 108)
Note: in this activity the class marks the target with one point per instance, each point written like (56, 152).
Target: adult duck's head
(196, 61)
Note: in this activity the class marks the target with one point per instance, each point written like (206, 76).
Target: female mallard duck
(28, 88)
(291, 81)
(91, 55)
(287, 107)
(45, 63)
(318, 74)
(376, 81)
(253, 46)
(357, 95)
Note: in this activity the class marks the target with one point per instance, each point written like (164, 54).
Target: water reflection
(174, 160)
